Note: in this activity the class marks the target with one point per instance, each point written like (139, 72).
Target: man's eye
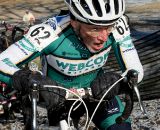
(95, 29)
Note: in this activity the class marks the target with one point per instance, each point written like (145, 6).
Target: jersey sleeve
(26, 49)
(125, 50)
(38, 38)
(14, 56)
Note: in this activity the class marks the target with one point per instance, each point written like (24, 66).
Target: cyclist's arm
(125, 50)
(25, 50)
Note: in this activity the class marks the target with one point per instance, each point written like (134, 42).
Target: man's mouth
(98, 46)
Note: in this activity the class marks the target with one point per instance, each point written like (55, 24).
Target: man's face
(93, 36)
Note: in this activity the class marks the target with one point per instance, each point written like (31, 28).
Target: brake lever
(132, 76)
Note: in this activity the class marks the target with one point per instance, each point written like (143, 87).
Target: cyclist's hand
(24, 79)
(20, 80)
(101, 84)
(132, 77)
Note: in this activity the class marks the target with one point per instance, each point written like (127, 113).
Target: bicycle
(131, 78)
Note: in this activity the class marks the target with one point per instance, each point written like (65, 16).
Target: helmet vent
(76, 10)
(116, 5)
(85, 6)
(107, 6)
(97, 7)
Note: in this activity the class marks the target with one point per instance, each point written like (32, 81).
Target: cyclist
(75, 46)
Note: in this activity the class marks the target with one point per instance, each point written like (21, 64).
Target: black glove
(23, 80)
(20, 81)
(132, 77)
(101, 84)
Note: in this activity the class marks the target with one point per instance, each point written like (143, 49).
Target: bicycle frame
(67, 126)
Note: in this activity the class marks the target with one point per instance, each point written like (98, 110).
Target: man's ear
(74, 23)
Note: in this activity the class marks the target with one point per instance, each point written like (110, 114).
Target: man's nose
(103, 34)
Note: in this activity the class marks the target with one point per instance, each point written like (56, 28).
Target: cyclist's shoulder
(47, 32)
(121, 29)
(59, 21)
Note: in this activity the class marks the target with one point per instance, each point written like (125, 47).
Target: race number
(121, 29)
(41, 36)
(35, 32)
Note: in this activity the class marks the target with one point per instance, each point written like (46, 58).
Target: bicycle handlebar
(132, 78)
(132, 75)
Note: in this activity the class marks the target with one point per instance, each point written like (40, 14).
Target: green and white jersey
(68, 61)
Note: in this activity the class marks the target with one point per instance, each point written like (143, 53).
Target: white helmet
(97, 12)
